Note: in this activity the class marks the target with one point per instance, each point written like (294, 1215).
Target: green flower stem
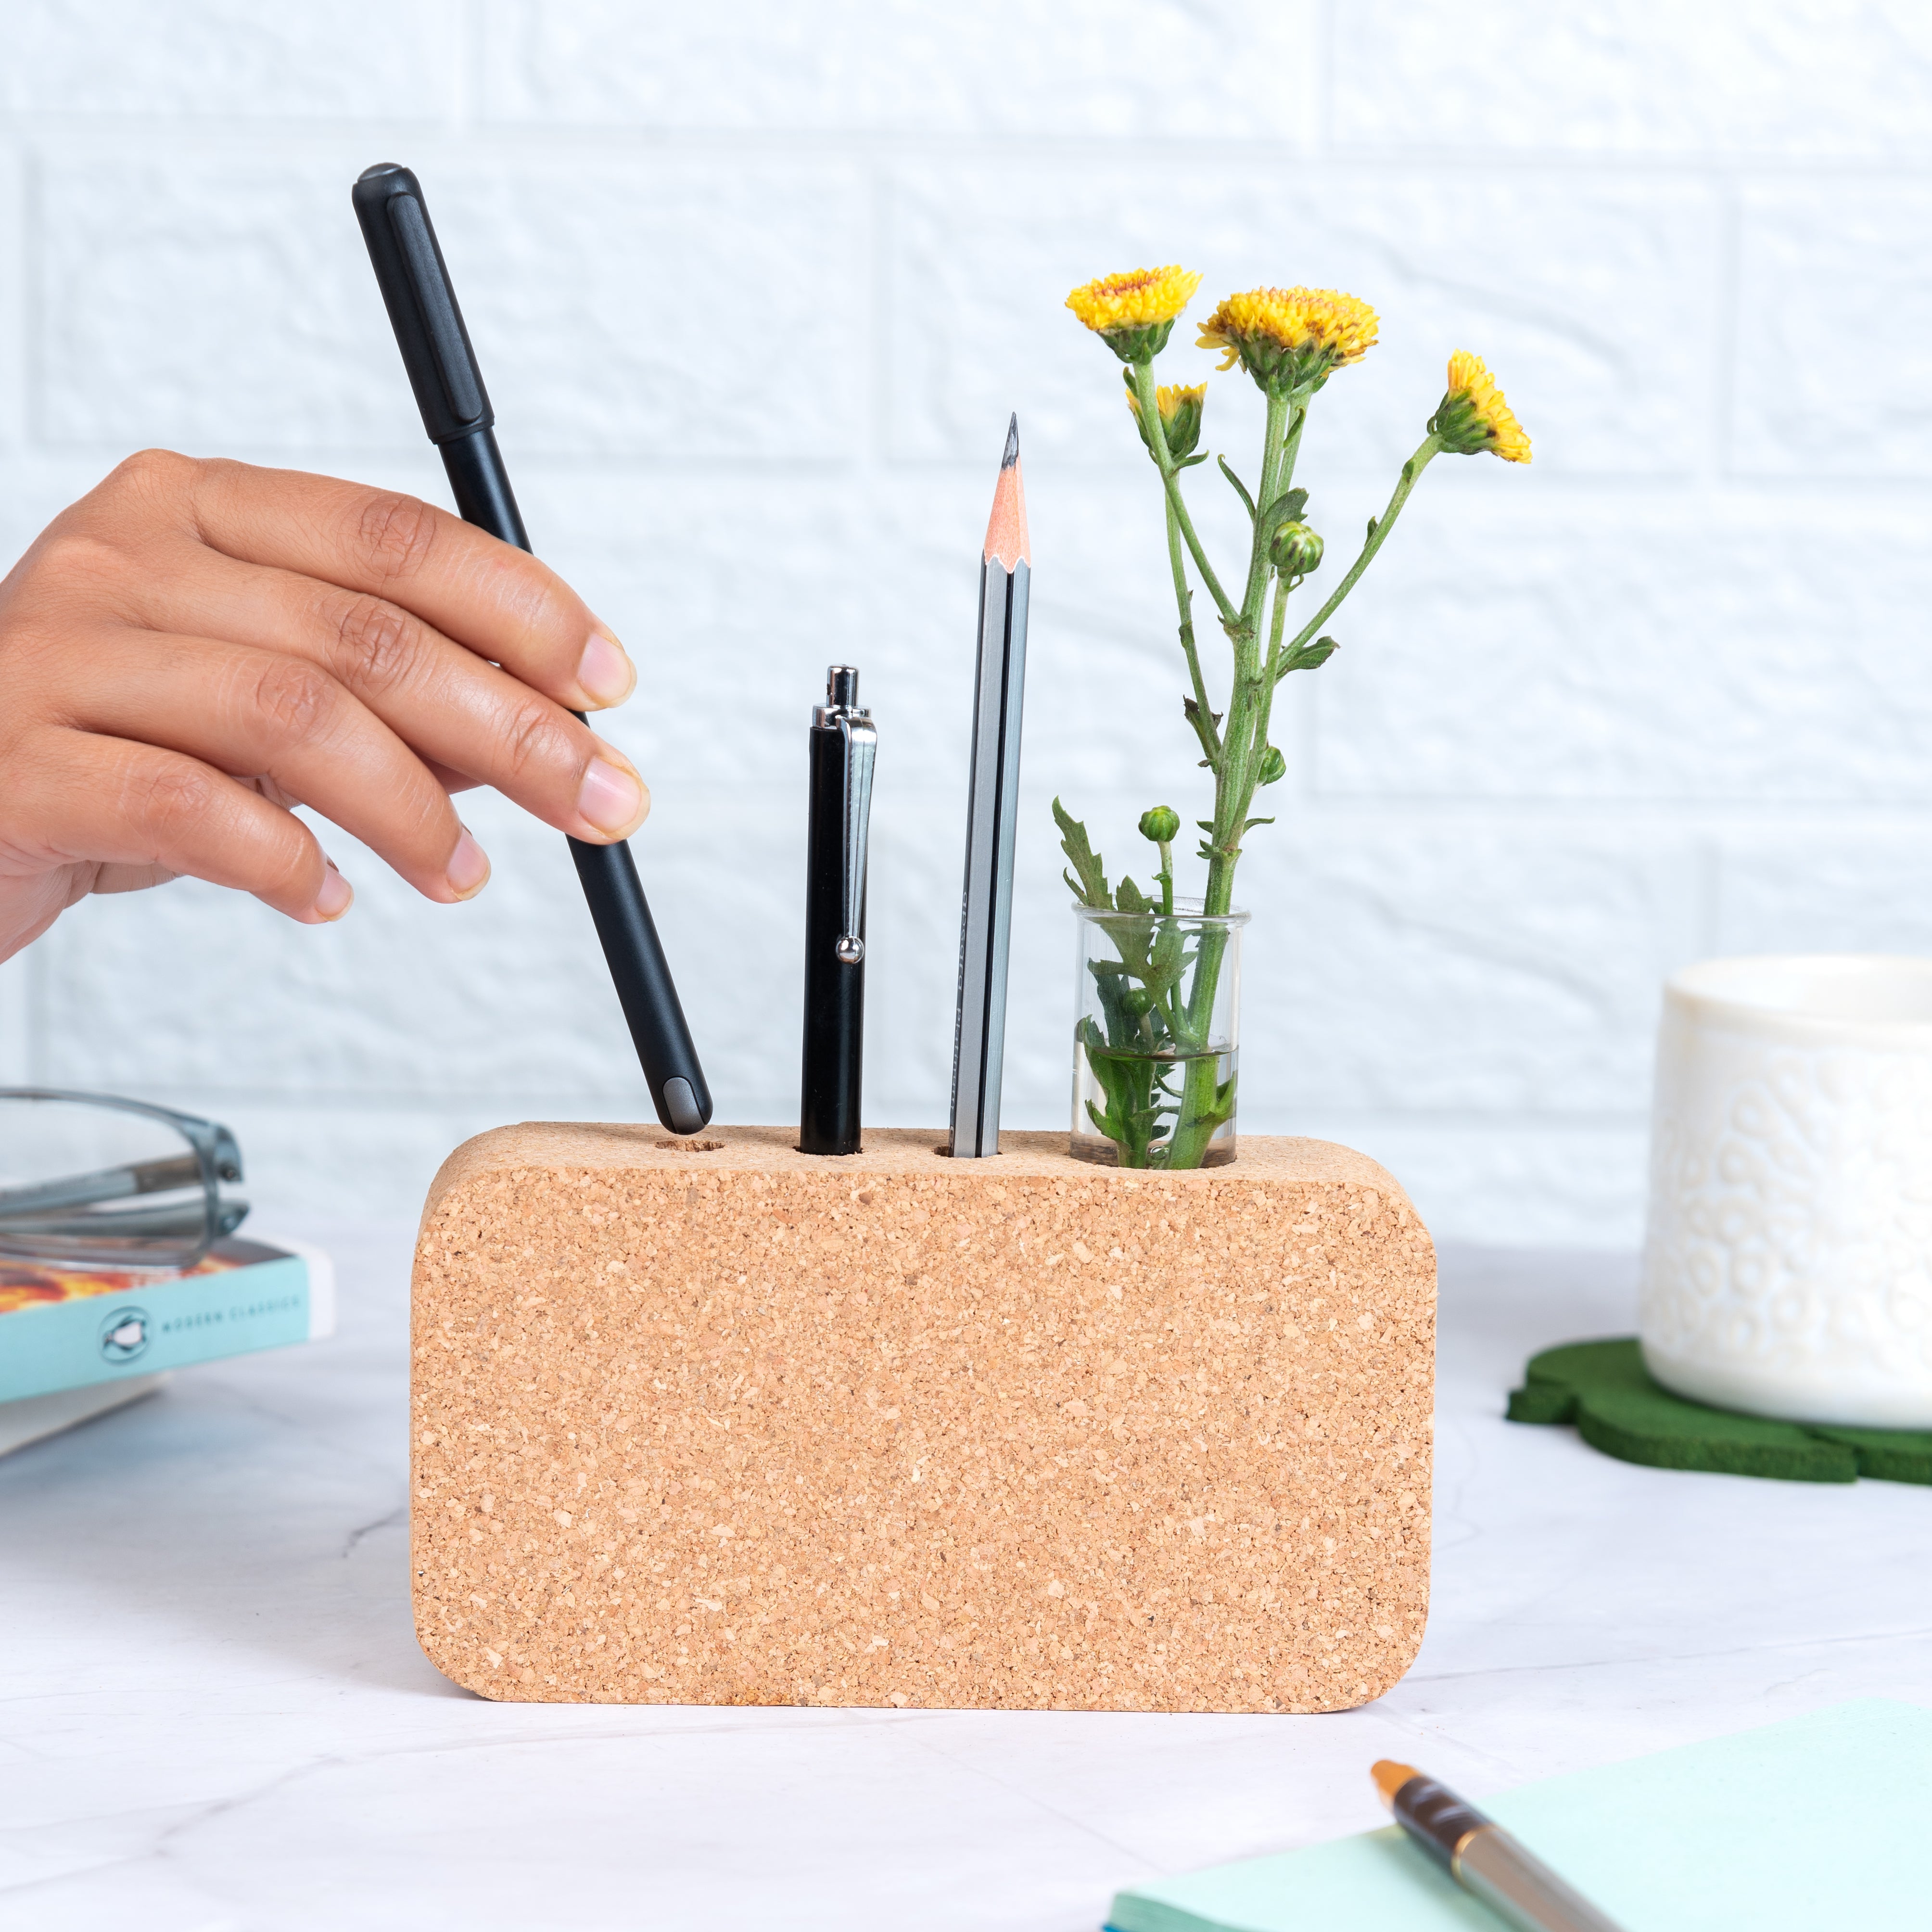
(1275, 628)
(1426, 453)
(1165, 876)
(1200, 1116)
(1145, 390)
(1203, 720)
(1273, 449)
(1236, 774)
(1203, 1106)
(1292, 444)
(1271, 673)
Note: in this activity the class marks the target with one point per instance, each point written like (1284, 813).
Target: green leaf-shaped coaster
(1605, 1389)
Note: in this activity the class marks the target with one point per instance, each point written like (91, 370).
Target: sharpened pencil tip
(1391, 1777)
(1006, 528)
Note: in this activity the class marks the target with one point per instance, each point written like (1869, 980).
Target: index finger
(498, 601)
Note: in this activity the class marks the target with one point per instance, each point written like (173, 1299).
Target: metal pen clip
(860, 745)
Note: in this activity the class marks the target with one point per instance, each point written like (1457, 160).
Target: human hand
(194, 647)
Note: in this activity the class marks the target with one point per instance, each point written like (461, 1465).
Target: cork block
(715, 1422)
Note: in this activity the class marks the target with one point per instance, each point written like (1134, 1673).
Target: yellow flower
(1473, 417)
(1290, 339)
(1134, 313)
(1133, 300)
(1180, 408)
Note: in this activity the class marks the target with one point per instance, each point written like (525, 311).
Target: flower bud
(1294, 550)
(1473, 417)
(1161, 824)
(1272, 765)
(1180, 408)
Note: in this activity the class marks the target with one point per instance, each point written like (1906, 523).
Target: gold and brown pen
(1482, 1858)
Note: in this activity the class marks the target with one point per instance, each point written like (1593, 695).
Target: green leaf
(1132, 1115)
(1284, 509)
(1206, 824)
(1252, 823)
(1240, 488)
(1123, 1023)
(1371, 536)
(1090, 886)
(1129, 897)
(1306, 657)
(1164, 969)
(1189, 462)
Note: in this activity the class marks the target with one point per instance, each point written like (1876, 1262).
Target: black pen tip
(1012, 454)
(380, 168)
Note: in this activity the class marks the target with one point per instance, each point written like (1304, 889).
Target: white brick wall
(755, 287)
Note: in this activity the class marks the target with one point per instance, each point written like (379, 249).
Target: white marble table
(213, 1715)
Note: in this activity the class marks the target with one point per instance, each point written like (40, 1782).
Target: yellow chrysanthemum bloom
(1473, 417)
(1180, 411)
(1290, 339)
(1134, 313)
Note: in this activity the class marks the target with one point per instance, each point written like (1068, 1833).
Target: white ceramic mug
(1787, 1266)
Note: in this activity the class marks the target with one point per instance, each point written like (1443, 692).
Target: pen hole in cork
(689, 1147)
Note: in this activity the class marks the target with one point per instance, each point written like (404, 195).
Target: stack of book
(74, 1342)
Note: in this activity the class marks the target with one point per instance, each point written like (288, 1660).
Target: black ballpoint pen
(844, 743)
(456, 413)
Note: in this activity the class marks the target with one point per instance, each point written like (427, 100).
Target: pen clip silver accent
(861, 743)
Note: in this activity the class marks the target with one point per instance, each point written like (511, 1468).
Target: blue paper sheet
(1814, 1825)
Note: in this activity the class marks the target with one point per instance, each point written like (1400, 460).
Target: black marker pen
(456, 412)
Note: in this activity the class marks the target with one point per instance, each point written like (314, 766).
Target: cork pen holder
(713, 1422)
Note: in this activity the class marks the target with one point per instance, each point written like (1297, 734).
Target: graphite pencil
(979, 1044)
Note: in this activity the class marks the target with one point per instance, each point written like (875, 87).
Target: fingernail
(612, 800)
(603, 673)
(337, 895)
(468, 870)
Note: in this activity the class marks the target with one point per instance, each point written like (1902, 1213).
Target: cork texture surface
(716, 1422)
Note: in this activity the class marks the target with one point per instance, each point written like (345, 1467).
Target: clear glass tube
(1156, 1036)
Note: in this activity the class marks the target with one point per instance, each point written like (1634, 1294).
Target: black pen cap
(421, 304)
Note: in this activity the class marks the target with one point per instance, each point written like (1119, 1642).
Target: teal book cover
(69, 1328)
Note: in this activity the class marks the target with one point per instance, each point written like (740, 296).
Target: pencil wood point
(1391, 1777)
(1007, 543)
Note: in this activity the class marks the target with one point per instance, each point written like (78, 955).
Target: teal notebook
(1814, 1825)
